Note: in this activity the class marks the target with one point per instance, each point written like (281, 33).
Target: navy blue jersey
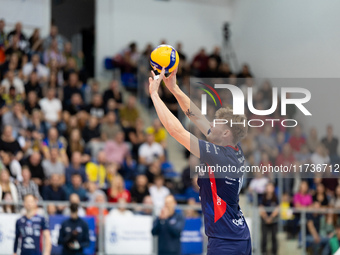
(219, 191)
(29, 231)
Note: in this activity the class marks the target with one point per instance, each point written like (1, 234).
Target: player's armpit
(187, 139)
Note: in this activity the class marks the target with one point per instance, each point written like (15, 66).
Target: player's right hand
(170, 81)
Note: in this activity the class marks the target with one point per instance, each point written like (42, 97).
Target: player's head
(170, 203)
(228, 133)
(30, 203)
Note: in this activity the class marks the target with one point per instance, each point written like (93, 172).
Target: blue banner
(55, 226)
(191, 237)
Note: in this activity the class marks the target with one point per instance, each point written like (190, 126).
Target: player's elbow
(175, 131)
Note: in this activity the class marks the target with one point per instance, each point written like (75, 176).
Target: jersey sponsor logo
(207, 147)
(238, 222)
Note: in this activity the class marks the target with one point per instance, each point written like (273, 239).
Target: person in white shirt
(36, 66)
(51, 107)
(158, 193)
(16, 82)
(150, 151)
(121, 210)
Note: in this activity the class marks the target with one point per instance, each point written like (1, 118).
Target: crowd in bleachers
(63, 139)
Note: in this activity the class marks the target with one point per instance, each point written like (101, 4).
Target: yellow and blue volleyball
(164, 56)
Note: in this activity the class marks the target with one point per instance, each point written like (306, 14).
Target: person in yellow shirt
(158, 131)
(96, 172)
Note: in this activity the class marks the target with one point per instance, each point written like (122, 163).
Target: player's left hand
(154, 81)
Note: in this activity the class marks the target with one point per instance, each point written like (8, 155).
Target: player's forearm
(48, 244)
(191, 110)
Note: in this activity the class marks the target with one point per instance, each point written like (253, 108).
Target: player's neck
(30, 214)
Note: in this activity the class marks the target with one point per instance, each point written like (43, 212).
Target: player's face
(30, 203)
(216, 133)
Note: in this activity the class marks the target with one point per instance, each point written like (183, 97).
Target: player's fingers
(153, 74)
(161, 76)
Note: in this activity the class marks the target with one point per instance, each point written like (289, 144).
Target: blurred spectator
(54, 165)
(95, 211)
(334, 242)
(224, 70)
(180, 52)
(140, 189)
(51, 107)
(127, 59)
(74, 233)
(36, 169)
(320, 195)
(266, 142)
(8, 208)
(335, 201)
(150, 151)
(54, 142)
(113, 92)
(96, 171)
(93, 192)
(9, 144)
(36, 67)
(158, 131)
(286, 158)
(118, 190)
(27, 186)
(331, 143)
(320, 156)
(76, 187)
(76, 168)
(75, 143)
(153, 170)
(110, 127)
(117, 150)
(312, 140)
(37, 124)
(36, 43)
(318, 242)
(303, 157)
(12, 81)
(92, 88)
(129, 113)
(302, 198)
(245, 72)
(16, 119)
(158, 193)
(74, 199)
(68, 54)
(54, 35)
(147, 201)
(3, 41)
(55, 191)
(70, 67)
(258, 186)
(72, 87)
(121, 209)
(200, 63)
(17, 32)
(14, 49)
(11, 97)
(76, 104)
(216, 55)
(91, 133)
(192, 192)
(297, 139)
(8, 161)
(269, 219)
(96, 107)
(168, 227)
(137, 138)
(53, 53)
(7, 187)
(32, 103)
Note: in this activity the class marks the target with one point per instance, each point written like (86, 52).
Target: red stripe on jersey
(236, 149)
(220, 206)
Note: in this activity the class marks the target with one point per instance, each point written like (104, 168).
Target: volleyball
(164, 56)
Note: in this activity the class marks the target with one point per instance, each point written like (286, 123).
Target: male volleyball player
(31, 229)
(224, 222)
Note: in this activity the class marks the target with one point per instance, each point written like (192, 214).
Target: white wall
(288, 38)
(32, 13)
(194, 23)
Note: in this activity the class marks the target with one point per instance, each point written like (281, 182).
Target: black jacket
(169, 234)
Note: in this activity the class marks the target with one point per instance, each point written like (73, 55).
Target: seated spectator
(36, 42)
(297, 139)
(54, 165)
(92, 88)
(74, 199)
(32, 103)
(110, 127)
(314, 238)
(113, 92)
(117, 150)
(331, 142)
(258, 186)
(52, 141)
(145, 211)
(320, 156)
(37, 124)
(158, 131)
(269, 219)
(129, 113)
(76, 187)
(127, 59)
(302, 198)
(121, 209)
(75, 143)
(16, 119)
(266, 142)
(96, 107)
(75, 168)
(9, 144)
(286, 158)
(27, 186)
(33, 85)
(70, 67)
(17, 32)
(51, 107)
(51, 210)
(12, 81)
(7, 187)
(150, 151)
(36, 67)
(334, 242)
(335, 201)
(153, 170)
(158, 193)
(93, 192)
(192, 192)
(320, 195)
(95, 211)
(245, 72)
(312, 140)
(76, 104)
(91, 133)
(96, 171)
(303, 157)
(117, 191)
(36, 169)
(140, 189)
(200, 63)
(9, 208)
(54, 35)
(11, 97)
(55, 191)
(216, 55)
(68, 54)
(72, 87)
(53, 53)
(136, 136)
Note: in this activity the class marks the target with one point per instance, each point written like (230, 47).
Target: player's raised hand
(170, 81)
(154, 81)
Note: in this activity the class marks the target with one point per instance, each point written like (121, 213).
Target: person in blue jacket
(168, 227)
